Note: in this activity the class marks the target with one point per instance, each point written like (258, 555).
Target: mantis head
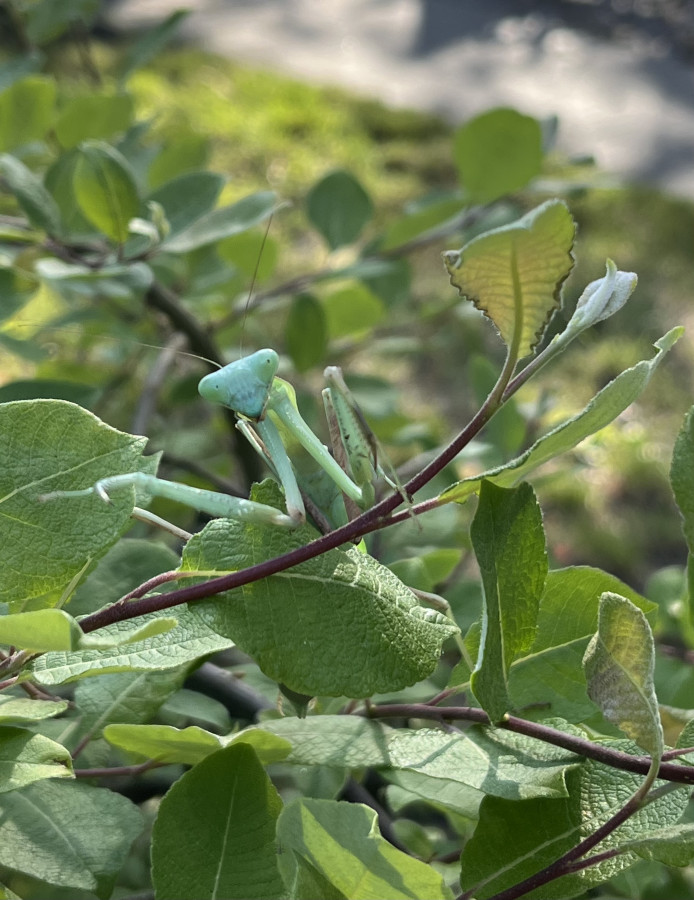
(242, 386)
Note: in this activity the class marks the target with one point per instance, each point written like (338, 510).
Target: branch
(640, 765)
(371, 520)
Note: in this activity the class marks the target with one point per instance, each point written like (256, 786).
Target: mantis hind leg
(210, 502)
(354, 444)
(349, 428)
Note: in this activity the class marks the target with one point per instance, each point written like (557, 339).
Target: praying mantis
(251, 388)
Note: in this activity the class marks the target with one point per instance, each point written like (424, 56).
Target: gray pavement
(623, 88)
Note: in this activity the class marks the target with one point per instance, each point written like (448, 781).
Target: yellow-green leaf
(514, 274)
(40, 630)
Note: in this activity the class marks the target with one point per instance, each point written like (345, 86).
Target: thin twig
(355, 792)
(153, 383)
(118, 770)
(37, 694)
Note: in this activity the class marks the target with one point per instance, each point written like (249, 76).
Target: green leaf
(549, 680)
(218, 823)
(126, 565)
(372, 636)
(352, 310)
(513, 840)
(21, 709)
(142, 632)
(47, 21)
(16, 289)
(682, 476)
(619, 663)
(686, 738)
(53, 629)
(252, 253)
(570, 603)
(197, 634)
(516, 839)
(45, 629)
(498, 762)
(151, 43)
(306, 332)
(339, 207)
(672, 846)
(514, 273)
(26, 111)
(68, 834)
(163, 742)
(602, 409)
(325, 842)
(192, 744)
(49, 389)
(40, 208)
(93, 116)
(445, 794)
(47, 445)
(115, 282)
(552, 683)
(187, 153)
(428, 570)
(509, 544)
(187, 198)
(497, 153)
(196, 708)
(224, 222)
(59, 180)
(426, 216)
(105, 189)
(125, 697)
(391, 281)
(27, 757)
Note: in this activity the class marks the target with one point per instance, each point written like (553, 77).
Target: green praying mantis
(251, 388)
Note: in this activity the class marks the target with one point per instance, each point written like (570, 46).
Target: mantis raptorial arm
(251, 389)
(210, 502)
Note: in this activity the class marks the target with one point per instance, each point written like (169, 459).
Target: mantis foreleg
(210, 502)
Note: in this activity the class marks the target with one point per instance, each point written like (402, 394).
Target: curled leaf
(602, 298)
(619, 664)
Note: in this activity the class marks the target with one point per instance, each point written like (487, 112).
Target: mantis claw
(100, 491)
